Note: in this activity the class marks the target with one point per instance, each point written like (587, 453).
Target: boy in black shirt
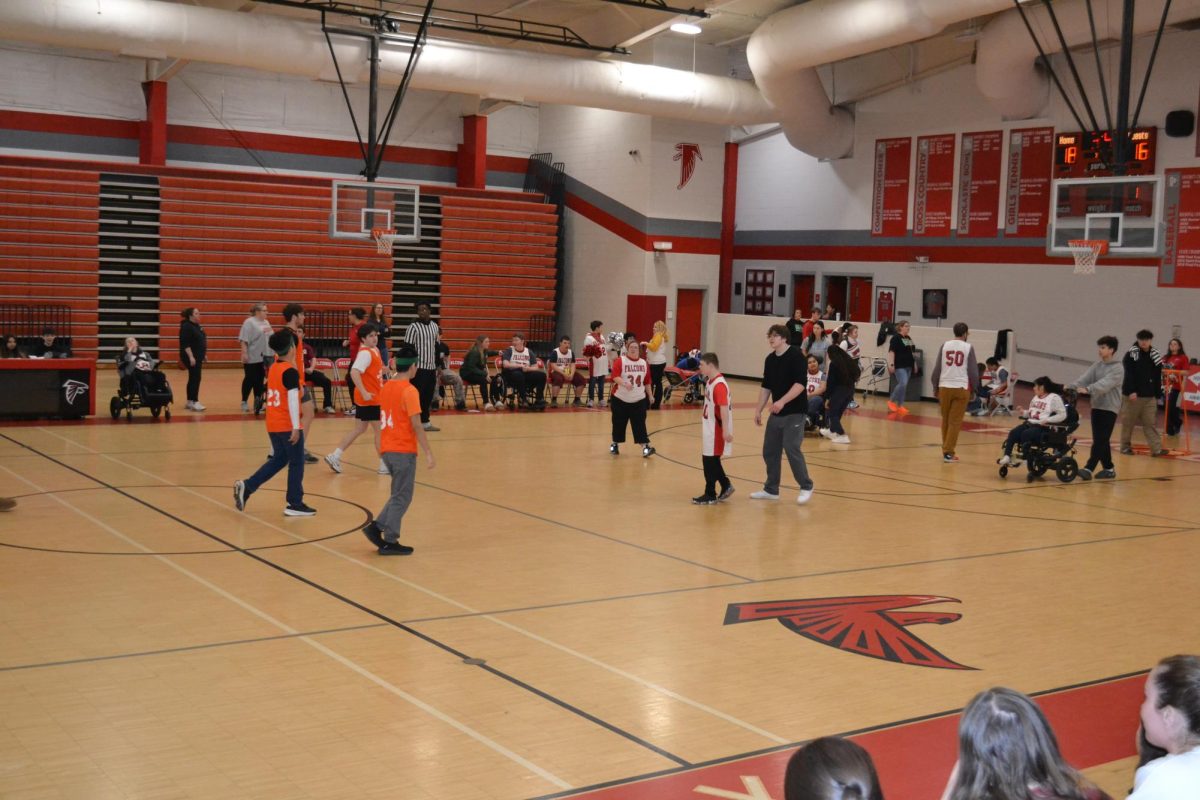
(783, 388)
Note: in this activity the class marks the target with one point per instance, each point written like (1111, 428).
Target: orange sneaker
(892, 406)
(902, 411)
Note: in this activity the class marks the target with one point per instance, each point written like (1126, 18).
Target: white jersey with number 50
(955, 356)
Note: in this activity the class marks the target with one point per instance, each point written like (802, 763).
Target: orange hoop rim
(1097, 246)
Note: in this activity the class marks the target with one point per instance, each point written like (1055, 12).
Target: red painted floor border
(1095, 724)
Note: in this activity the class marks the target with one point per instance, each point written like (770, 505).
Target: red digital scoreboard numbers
(1090, 155)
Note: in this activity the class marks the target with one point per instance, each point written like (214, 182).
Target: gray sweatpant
(403, 468)
(784, 435)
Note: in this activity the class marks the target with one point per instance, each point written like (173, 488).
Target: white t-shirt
(1046, 410)
(1172, 777)
(599, 365)
(955, 357)
(637, 373)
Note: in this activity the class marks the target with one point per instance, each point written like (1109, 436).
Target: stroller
(1055, 452)
(142, 385)
(685, 374)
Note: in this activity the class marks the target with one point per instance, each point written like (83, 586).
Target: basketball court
(569, 620)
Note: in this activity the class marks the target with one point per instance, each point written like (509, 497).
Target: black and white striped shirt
(423, 336)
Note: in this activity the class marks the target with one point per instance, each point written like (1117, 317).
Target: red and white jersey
(955, 356)
(638, 375)
(1046, 410)
(599, 364)
(813, 381)
(564, 361)
(712, 431)
(520, 359)
(852, 347)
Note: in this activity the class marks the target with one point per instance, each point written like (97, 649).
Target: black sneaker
(460, 406)
(554, 402)
(647, 451)
(578, 403)
(1085, 474)
(726, 493)
(394, 549)
(1108, 474)
(704, 500)
(614, 450)
(309, 458)
(299, 511)
(373, 533)
(239, 495)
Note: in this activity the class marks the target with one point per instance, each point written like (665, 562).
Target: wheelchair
(1056, 452)
(142, 389)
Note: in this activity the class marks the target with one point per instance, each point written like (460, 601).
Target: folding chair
(471, 389)
(341, 393)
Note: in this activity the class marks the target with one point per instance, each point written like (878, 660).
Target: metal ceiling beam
(390, 17)
(659, 5)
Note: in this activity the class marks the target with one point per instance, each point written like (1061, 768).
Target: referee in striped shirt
(422, 334)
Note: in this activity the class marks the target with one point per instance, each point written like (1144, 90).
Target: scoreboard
(1091, 155)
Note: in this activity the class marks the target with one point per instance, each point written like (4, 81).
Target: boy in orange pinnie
(400, 431)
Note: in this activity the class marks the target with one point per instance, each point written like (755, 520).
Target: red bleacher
(49, 245)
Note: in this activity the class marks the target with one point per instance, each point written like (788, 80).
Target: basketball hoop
(384, 239)
(1085, 252)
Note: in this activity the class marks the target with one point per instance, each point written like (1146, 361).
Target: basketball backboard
(358, 207)
(1126, 212)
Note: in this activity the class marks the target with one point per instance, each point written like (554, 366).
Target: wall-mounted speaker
(1180, 123)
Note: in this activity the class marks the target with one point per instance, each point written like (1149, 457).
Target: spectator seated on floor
(561, 366)
(318, 378)
(814, 387)
(50, 346)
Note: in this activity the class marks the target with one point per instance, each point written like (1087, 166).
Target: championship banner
(1027, 201)
(889, 203)
(1180, 265)
(934, 192)
(979, 184)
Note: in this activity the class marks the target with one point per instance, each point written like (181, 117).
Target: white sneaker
(198, 406)
(828, 434)
(188, 405)
(840, 439)
(804, 496)
(763, 494)
(245, 407)
(383, 469)
(489, 407)
(334, 463)
(1004, 461)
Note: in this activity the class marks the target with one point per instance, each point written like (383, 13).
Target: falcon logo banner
(867, 625)
(687, 154)
(73, 389)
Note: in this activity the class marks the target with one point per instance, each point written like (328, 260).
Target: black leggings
(193, 383)
(484, 384)
(254, 379)
(1103, 423)
(714, 474)
(317, 378)
(426, 382)
(656, 379)
(632, 413)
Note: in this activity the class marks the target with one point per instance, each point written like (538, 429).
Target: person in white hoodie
(1047, 408)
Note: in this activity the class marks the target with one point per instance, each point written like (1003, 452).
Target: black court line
(191, 648)
(822, 574)
(844, 734)
(569, 526)
(398, 625)
(141, 553)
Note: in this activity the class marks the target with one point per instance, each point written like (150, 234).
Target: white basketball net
(1085, 253)
(384, 240)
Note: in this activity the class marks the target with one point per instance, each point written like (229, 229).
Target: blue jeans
(902, 376)
(596, 382)
(283, 454)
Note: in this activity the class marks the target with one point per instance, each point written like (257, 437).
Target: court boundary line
(189, 648)
(429, 709)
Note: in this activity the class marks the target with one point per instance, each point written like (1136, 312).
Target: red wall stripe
(63, 123)
(679, 244)
(948, 255)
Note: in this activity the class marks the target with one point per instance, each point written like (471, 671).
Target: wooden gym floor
(569, 621)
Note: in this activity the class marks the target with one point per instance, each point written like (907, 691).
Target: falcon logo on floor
(867, 625)
(72, 389)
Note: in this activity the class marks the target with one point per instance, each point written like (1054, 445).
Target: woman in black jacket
(193, 346)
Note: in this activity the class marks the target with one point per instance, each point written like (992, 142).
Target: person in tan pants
(1141, 388)
(955, 377)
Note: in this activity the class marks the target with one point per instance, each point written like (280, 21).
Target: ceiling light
(691, 29)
